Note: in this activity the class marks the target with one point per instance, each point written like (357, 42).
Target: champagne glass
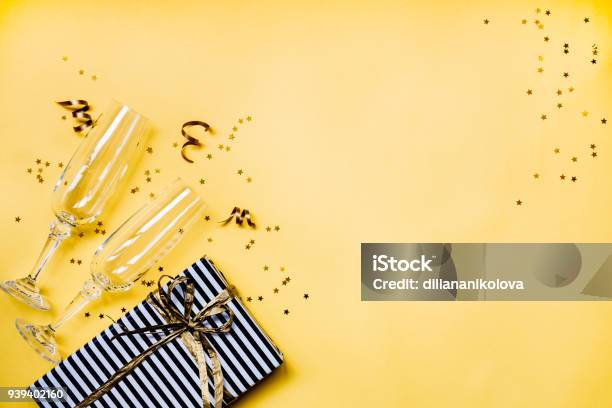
(85, 187)
(125, 257)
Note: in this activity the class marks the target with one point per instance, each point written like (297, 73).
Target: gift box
(172, 374)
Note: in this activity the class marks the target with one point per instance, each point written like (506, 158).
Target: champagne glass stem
(59, 232)
(91, 291)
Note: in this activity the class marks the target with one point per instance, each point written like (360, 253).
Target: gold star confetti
(249, 118)
(249, 179)
(207, 218)
(235, 129)
(571, 89)
(249, 299)
(586, 20)
(536, 176)
(566, 75)
(101, 316)
(562, 177)
(275, 290)
(181, 230)
(540, 70)
(592, 146)
(240, 120)
(174, 144)
(574, 178)
(268, 229)
(72, 260)
(29, 170)
(152, 195)
(17, 219)
(79, 262)
(87, 314)
(123, 310)
(150, 150)
(524, 21)
(276, 228)
(574, 159)
(209, 239)
(547, 12)
(557, 150)
(64, 58)
(543, 117)
(240, 172)
(260, 298)
(94, 77)
(221, 147)
(209, 156)
(518, 202)
(81, 72)
(202, 181)
(540, 58)
(148, 179)
(81, 234)
(546, 39)
(231, 137)
(594, 154)
(585, 114)
(604, 121)
(134, 190)
(265, 268)
(228, 148)
(286, 311)
(157, 171)
(60, 165)
(559, 105)
(38, 161)
(529, 92)
(486, 21)
(559, 92)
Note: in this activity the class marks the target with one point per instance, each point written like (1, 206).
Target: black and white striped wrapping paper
(169, 377)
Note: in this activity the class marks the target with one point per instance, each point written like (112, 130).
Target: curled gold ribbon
(240, 216)
(193, 328)
(79, 108)
(191, 141)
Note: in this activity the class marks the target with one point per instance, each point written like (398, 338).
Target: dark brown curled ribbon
(79, 108)
(191, 141)
(240, 216)
(192, 329)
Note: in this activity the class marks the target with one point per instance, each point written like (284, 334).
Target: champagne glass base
(41, 339)
(25, 291)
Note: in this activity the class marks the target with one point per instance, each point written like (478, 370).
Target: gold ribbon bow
(192, 329)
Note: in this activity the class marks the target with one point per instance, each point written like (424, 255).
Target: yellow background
(373, 121)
